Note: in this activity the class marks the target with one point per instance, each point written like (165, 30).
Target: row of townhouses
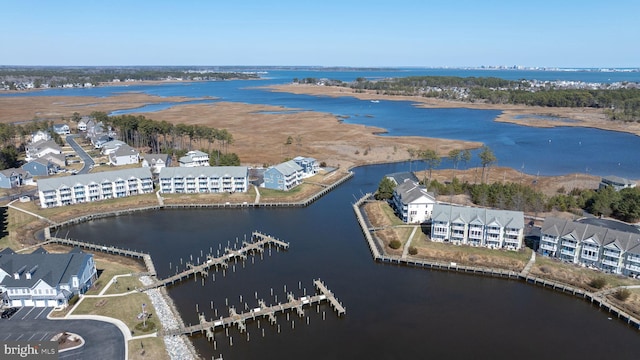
(69, 190)
(463, 225)
(606, 249)
(41, 279)
(204, 179)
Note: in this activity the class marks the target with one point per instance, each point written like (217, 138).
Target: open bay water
(393, 312)
(544, 151)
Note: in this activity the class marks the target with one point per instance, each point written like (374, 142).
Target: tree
(76, 117)
(466, 156)
(385, 189)
(8, 157)
(431, 158)
(487, 158)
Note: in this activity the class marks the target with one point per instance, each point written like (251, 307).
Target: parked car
(9, 312)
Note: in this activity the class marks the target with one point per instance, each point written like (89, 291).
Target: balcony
(548, 247)
(589, 257)
(613, 254)
(632, 267)
(569, 244)
(609, 262)
(633, 259)
(549, 239)
(568, 252)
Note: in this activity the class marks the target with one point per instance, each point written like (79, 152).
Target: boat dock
(262, 311)
(256, 246)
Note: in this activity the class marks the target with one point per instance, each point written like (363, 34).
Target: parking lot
(102, 340)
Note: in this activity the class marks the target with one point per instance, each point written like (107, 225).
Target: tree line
(165, 137)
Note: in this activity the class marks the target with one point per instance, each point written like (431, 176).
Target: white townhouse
(204, 179)
(41, 279)
(194, 158)
(124, 155)
(464, 225)
(76, 189)
(412, 203)
(42, 148)
(156, 162)
(61, 129)
(283, 176)
(594, 246)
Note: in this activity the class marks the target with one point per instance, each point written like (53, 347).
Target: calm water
(392, 312)
(555, 151)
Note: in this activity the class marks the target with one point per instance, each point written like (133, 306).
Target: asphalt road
(102, 340)
(88, 161)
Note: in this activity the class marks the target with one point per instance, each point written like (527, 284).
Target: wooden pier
(262, 311)
(257, 246)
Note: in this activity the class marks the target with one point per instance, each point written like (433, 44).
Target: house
(82, 124)
(400, 177)
(99, 140)
(61, 129)
(284, 176)
(60, 191)
(95, 129)
(41, 279)
(412, 203)
(204, 179)
(309, 165)
(40, 167)
(58, 159)
(616, 182)
(594, 246)
(156, 162)
(40, 136)
(42, 148)
(11, 178)
(194, 158)
(109, 147)
(124, 155)
(464, 225)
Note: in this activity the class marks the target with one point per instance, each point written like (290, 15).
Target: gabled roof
(125, 150)
(410, 192)
(401, 177)
(610, 238)
(153, 158)
(99, 178)
(512, 219)
(54, 269)
(287, 168)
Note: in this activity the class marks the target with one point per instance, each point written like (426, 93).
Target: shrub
(395, 244)
(413, 250)
(622, 294)
(598, 283)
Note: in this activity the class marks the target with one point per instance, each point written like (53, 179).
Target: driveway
(102, 340)
(88, 161)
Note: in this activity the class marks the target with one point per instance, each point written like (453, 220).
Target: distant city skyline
(402, 33)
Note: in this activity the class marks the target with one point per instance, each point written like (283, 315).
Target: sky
(355, 33)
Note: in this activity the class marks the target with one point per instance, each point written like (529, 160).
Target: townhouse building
(594, 246)
(76, 189)
(204, 179)
(284, 176)
(464, 225)
(412, 202)
(309, 165)
(41, 279)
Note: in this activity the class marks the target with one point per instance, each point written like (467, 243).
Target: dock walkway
(257, 246)
(239, 319)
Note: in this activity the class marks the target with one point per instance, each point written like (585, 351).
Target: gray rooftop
(467, 214)
(54, 269)
(625, 241)
(206, 171)
(98, 178)
(401, 177)
(410, 191)
(287, 168)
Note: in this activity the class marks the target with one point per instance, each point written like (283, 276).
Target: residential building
(109, 147)
(194, 158)
(283, 176)
(41, 279)
(616, 182)
(400, 177)
(412, 202)
(204, 179)
(124, 155)
(41, 167)
(58, 159)
(82, 124)
(61, 129)
(594, 246)
(156, 162)
(42, 148)
(69, 190)
(464, 225)
(11, 178)
(40, 136)
(309, 165)
(99, 140)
